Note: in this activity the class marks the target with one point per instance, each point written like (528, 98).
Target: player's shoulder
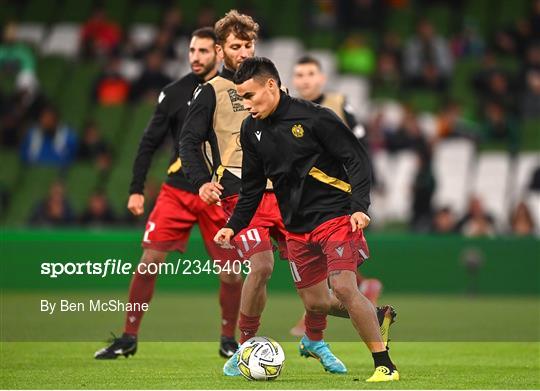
(304, 107)
(220, 82)
(189, 81)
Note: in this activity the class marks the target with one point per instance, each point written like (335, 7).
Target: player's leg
(141, 291)
(167, 229)
(308, 270)
(341, 247)
(211, 218)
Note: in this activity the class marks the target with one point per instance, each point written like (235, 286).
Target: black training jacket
(317, 166)
(168, 117)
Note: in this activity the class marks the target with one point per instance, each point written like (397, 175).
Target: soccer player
(321, 176)
(309, 81)
(215, 116)
(178, 207)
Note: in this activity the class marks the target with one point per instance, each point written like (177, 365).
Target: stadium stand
(463, 165)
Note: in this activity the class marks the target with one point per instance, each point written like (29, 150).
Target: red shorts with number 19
(265, 224)
(330, 246)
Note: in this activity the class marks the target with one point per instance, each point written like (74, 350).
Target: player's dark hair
(309, 60)
(205, 32)
(240, 25)
(260, 68)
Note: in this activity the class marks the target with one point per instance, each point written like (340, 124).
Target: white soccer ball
(260, 358)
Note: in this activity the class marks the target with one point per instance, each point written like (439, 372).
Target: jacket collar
(226, 73)
(281, 109)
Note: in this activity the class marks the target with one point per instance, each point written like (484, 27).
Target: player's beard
(207, 69)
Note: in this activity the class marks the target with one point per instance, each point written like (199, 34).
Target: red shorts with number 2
(331, 246)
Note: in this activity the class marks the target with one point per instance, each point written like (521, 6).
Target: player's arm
(195, 131)
(343, 145)
(154, 134)
(251, 192)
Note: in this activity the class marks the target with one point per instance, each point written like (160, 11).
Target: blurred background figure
(427, 59)
(476, 222)
(50, 142)
(98, 212)
(100, 36)
(55, 210)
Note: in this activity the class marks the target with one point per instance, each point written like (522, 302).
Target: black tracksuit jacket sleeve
(253, 186)
(343, 146)
(196, 130)
(153, 136)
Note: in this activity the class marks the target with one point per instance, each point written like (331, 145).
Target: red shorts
(174, 215)
(265, 224)
(331, 246)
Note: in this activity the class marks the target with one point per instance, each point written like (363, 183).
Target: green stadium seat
(401, 22)
(11, 168)
(480, 13)
(33, 187)
(51, 72)
(147, 13)
(39, 11)
(75, 100)
(441, 17)
(83, 178)
(117, 10)
(424, 100)
(530, 135)
(111, 121)
(74, 11)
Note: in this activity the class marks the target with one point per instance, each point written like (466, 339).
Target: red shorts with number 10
(265, 224)
(331, 246)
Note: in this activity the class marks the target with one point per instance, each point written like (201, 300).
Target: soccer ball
(260, 358)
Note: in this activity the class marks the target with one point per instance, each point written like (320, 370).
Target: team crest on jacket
(297, 130)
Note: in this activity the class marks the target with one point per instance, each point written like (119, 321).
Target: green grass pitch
(439, 342)
(192, 365)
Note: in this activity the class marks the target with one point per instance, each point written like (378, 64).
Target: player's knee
(316, 304)
(150, 256)
(261, 272)
(343, 290)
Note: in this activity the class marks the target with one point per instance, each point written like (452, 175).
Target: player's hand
(223, 237)
(136, 204)
(359, 220)
(210, 192)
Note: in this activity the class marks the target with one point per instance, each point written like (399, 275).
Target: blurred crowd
(395, 66)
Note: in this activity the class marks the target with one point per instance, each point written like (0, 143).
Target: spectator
(98, 211)
(163, 43)
(152, 80)
(50, 142)
(15, 57)
(530, 106)
(444, 221)
(476, 221)
(356, 57)
(408, 136)
(427, 59)
(468, 42)
(94, 148)
(500, 126)
(387, 78)
(110, 87)
(55, 210)
(423, 190)
(521, 220)
(100, 37)
(451, 123)
(19, 110)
